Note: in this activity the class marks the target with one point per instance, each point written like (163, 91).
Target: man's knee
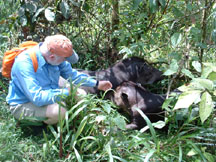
(80, 94)
(53, 114)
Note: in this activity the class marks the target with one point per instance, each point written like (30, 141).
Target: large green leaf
(120, 122)
(187, 73)
(50, 16)
(205, 83)
(197, 84)
(21, 11)
(31, 7)
(64, 7)
(177, 12)
(212, 76)
(206, 71)
(206, 106)
(107, 108)
(214, 93)
(153, 5)
(185, 87)
(77, 4)
(197, 66)
(136, 3)
(210, 65)
(176, 39)
(172, 69)
(36, 14)
(187, 98)
(175, 55)
(208, 68)
(23, 20)
(162, 3)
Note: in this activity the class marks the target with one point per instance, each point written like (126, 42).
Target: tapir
(133, 69)
(129, 96)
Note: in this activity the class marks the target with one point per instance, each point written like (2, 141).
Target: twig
(204, 28)
(164, 11)
(181, 65)
(184, 17)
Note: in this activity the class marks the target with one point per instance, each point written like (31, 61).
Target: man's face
(55, 59)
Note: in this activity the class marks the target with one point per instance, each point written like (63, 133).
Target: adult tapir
(131, 69)
(129, 96)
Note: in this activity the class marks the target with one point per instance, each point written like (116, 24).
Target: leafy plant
(199, 91)
(88, 126)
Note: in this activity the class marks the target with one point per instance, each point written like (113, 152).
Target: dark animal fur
(129, 96)
(133, 69)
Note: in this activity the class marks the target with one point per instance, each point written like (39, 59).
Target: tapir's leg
(131, 126)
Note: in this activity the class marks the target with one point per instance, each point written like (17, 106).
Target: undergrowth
(94, 130)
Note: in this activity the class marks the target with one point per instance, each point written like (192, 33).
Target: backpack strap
(34, 60)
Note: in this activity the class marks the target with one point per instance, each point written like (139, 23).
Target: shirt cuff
(64, 92)
(96, 85)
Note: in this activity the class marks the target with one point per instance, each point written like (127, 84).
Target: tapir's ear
(124, 97)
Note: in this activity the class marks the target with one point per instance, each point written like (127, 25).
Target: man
(34, 94)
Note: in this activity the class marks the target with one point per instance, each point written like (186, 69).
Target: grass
(16, 143)
(94, 131)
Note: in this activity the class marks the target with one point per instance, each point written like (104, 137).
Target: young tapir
(133, 69)
(129, 96)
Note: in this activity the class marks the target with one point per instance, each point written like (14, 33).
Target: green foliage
(93, 130)
(199, 91)
(179, 35)
(90, 124)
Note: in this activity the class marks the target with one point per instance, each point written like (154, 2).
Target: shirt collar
(41, 60)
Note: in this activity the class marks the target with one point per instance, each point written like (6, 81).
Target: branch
(164, 11)
(181, 65)
(186, 16)
(204, 28)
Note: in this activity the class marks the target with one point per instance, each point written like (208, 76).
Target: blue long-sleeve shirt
(41, 87)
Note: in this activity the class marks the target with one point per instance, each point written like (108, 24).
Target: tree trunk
(115, 26)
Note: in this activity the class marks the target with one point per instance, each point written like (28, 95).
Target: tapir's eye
(124, 97)
(141, 68)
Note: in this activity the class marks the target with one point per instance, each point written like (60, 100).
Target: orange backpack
(10, 55)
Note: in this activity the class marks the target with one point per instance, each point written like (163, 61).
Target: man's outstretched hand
(104, 85)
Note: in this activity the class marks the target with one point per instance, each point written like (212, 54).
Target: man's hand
(104, 85)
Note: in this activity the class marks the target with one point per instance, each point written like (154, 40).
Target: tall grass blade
(77, 112)
(152, 130)
(197, 150)
(46, 147)
(119, 159)
(77, 155)
(108, 149)
(68, 135)
(53, 132)
(66, 121)
(79, 131)
(76, 105)
(180, 153)
(149, 155)
(3, 86)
